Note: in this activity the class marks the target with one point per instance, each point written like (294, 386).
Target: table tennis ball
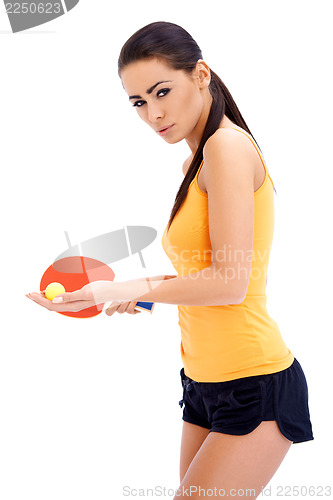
(54, 289)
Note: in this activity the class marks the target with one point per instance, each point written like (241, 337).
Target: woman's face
(165, 97)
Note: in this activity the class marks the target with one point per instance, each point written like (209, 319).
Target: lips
(164, 130)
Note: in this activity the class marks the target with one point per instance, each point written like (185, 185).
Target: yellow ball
(54, 289)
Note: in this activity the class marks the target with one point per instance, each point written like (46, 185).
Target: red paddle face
(75, 273)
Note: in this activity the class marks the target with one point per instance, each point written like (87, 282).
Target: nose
(155, 112)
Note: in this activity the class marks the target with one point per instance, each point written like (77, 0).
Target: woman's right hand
(128, 307)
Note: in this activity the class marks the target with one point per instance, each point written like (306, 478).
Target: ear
(202, 74)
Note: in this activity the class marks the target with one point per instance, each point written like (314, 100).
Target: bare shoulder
(231, 151)
(228, 141)
(226, 138)
(187, 164)
(228, 154)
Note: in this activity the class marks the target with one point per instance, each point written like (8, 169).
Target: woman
(245, 395)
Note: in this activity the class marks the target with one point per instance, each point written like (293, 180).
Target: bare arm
(161, 277)
(208, 287)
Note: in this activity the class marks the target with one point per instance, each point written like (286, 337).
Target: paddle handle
(145, 306)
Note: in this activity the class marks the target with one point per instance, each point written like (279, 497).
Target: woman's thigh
(192, 438)
(229, 462)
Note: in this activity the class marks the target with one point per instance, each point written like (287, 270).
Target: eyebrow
(149, 91)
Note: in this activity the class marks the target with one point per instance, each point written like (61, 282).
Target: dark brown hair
(174, 45)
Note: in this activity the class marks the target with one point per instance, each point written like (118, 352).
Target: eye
(138, 104)
(164, 92)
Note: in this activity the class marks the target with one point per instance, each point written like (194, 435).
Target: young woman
(245, 395)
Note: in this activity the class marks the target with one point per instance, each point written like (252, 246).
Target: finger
(120, 307)
(62, 307)
(109, 311)
(123, 307)
(76, 306)
(113, 307)
(70, 297)
(127, 307)
(39, 299)
(131, 308)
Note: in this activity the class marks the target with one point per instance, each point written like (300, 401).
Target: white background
(90, 406)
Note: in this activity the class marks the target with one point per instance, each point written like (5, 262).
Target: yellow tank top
(220, 343)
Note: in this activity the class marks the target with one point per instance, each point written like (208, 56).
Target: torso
(259, 170)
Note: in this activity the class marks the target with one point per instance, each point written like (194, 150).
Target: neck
(194, 138)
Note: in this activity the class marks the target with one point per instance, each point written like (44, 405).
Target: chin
(173, 140)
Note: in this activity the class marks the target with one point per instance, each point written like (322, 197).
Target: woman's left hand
(97, 292)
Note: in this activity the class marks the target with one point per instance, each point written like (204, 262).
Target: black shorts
(238, 406)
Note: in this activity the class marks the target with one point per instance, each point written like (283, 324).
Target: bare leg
(192, 438)
(236, 463)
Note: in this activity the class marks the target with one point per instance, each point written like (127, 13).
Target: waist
(221, 342)
(229, 316)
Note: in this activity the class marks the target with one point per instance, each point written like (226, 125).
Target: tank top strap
(197, 173)
(258, 151)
